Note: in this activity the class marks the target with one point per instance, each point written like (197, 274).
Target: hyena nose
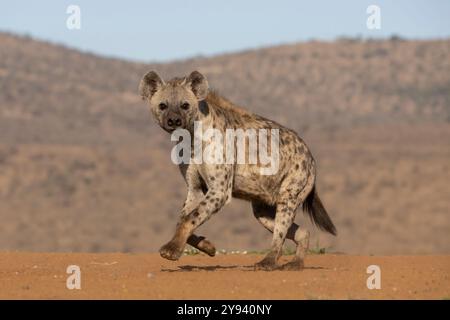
(174, 121)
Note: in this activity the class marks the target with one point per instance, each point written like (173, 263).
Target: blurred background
(84, 168)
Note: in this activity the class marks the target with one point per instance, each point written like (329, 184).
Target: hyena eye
(185, 106)
(162, 106)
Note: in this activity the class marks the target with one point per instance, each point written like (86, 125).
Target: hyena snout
(173, 120)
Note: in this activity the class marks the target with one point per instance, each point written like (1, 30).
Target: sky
(151, 31)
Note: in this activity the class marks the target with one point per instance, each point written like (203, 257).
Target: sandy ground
(147, 276)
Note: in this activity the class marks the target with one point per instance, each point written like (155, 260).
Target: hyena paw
(207, 247)
(202, 244)
(294, 265)
(266, 265)
(171, 251)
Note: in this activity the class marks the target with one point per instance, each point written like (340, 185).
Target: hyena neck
(203, 117)
(211, 111)
(225, 114)
(219, 113)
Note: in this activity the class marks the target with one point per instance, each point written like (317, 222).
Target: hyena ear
(199, 85)
(150, 83)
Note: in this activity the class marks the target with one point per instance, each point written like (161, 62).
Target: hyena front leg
(194, 196)
(216, 197)
(193, 199)
(266, 216)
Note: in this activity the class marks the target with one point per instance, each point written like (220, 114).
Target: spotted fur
(274, 198)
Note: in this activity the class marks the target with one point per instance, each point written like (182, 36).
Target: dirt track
(147, 276)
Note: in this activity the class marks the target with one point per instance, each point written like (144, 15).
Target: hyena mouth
(170, 130)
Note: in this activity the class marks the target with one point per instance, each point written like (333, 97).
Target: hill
(84, 168)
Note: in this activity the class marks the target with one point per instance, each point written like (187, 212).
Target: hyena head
(174, 104)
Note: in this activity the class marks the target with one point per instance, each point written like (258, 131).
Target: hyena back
(274, 198)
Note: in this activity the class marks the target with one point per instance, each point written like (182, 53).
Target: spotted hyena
(178, 104)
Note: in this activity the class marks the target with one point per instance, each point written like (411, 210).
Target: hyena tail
(314, 207)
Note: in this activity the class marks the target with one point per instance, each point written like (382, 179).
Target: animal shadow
(192, 268)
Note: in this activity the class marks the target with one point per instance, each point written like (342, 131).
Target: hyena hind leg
(266, 216)
(302, 241)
